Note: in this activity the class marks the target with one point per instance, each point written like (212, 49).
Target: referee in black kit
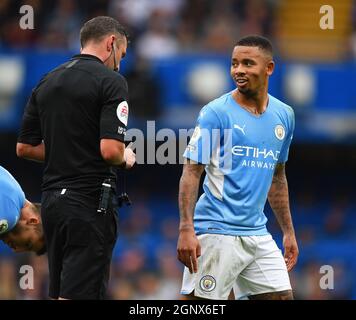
(75, 121)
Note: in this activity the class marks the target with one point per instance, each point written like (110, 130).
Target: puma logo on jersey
(236, 126)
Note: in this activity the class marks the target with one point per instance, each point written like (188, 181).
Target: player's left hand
(188, 249)
(291, 250)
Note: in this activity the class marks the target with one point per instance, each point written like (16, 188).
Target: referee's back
(75, 106)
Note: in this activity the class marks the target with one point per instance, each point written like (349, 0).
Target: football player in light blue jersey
(20, 221)
(242, 141)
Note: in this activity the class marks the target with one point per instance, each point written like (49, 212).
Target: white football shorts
(249, 264)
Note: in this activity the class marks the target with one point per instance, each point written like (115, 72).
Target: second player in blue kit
(20, 221)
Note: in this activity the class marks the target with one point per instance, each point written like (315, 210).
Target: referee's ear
(110, 41)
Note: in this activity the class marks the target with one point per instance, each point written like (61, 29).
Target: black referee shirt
(71, 109)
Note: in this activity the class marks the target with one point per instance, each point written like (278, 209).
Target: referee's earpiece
(113, 50)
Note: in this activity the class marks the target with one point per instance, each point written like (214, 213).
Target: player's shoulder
(220, 104)
(12, 199)
(5, 175)
(281, 107)
(7, 182)
(217, 107)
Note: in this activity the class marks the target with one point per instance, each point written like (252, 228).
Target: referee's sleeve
(115, 109)
(30, 131)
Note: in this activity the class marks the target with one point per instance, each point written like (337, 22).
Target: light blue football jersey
(12, 200)
(240, 151)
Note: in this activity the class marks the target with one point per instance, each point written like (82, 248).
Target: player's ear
(33, 220)
(270, 67)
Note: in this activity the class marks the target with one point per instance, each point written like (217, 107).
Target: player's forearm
(278, 198)
(29, 152)
(188, 194)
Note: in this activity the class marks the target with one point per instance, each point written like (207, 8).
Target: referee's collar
(86, 57)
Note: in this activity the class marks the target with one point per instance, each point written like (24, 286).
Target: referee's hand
(188, 249)
(129, 157)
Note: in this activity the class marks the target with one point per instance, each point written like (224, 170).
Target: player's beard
(252, 89)
(247, 92)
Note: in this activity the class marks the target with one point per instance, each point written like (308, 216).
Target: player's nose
(239, 71)
(240, 68)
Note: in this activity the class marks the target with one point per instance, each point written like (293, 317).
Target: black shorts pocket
(79, 233)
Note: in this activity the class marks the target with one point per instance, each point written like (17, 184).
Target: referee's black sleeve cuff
(30, 141)
(120, 138)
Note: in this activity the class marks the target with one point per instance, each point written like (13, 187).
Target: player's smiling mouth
(241, 81)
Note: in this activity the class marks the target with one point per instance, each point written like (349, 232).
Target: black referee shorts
(79, 243)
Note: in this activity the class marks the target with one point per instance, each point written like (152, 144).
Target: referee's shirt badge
(122, 112)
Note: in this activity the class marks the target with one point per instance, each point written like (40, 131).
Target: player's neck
(256, 104)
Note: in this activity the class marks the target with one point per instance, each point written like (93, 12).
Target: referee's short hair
(98, 27)
(256, 41)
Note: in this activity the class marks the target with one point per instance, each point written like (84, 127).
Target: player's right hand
(291, 250)
(130, 157)
(188, 249)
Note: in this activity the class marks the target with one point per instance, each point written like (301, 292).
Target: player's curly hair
(256, 41)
